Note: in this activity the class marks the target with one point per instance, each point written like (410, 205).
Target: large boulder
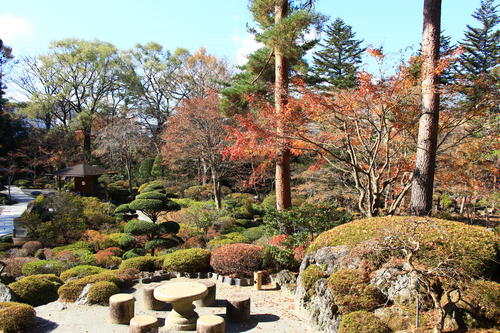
(396, 283)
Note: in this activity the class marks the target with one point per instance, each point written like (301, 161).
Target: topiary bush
(70, 291)
(100, 292)
(81, 271)
(16, 317)
(143, 264)
(310, 276)
(37, 289)
(187, 260)
(134, 253)
(45, 267)
(253, 233)
(152, 195)
(352, 292)
(239, 260)
(362, 322)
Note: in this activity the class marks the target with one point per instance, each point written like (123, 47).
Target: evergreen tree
(338, 61)
(481, 44)
(157, 168)
(5, 57)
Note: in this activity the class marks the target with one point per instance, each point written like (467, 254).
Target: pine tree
(5, 57)
(338, 61)
(157, 169)
(481, 44)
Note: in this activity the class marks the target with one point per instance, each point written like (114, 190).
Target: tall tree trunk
(216, 189)
(425, 164)
(204, 171)
(282, 176)
(87, 149)
(128, 167)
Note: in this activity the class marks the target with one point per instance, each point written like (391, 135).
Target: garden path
(271, 311)
(9, 212)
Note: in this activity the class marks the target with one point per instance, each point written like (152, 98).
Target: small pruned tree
(153, 203)
(158, 236)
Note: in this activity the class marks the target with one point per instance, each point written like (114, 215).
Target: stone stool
(121, 308)
(150, 302)
(210, 324)
(208, 300)
(238, 308)
(143, 324)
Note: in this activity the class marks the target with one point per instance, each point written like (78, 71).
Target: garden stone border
(245, 282)
(158, 276)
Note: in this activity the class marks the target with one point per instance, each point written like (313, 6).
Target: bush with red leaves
(278, 241)
(239, 260)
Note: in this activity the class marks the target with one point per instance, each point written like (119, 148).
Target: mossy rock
(37, 289)
(352, 292)
(310, 276)
(143, 264)
(484, 298)
(44, 267)
(16, 317)
(100, 292)
(70, 291)
(474, 248)
(362, 322)
(81, 271)
(187, 260)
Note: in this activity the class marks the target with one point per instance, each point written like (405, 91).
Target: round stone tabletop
(180, 292)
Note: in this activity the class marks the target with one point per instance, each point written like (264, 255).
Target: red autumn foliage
(239, 260)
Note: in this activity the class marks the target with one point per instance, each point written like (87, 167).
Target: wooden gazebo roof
(80, 170)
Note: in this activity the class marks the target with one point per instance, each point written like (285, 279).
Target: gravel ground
(271, 311)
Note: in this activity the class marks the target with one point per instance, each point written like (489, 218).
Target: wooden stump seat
(121, 308)
(143, 324)
(208, 300)
(210, 324)
(238, 308)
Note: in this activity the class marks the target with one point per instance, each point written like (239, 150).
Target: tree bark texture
(282, 176)
(425, 164)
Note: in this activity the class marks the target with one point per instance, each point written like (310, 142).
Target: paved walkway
(272, 311)
(9, 212)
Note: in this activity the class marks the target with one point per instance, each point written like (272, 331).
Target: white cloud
(13, 28)
(247, 45)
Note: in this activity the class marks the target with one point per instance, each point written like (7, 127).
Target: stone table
(181, 295)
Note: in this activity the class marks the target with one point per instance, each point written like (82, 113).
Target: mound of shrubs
(239, 260)
(187, 260)
(143, 264)
(71, 290)
(81, 271)
(16, 317)
(36, 289)
(45, 267)
(100, 292)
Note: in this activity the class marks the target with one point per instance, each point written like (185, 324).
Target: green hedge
(187, 260)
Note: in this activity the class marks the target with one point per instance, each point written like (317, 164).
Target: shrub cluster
(362, 322)
(45, 267)
(240, 260)
(143, 264)
(70, 291)
(100, 292)
(187, 260)
(80, 271)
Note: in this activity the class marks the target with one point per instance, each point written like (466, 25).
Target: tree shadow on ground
(43, 326)
(255, 319)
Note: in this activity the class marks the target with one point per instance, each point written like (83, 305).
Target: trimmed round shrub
(100, 292)
(133, 253)
(162, 243)
(219, 242)
(139, 227)
(352, 292)
(32, 247)
(80, 245)
(240, 260)
(143, 264)
(126, 241)
(16, 317)
(362, 322)
(310, 276)
(151, 187)
(187, 260)
(152, 195)
(123, 209)
(37, 289)
(81, 271)
(45, 267)
(237, 237)
(70, 291)
(253, 233)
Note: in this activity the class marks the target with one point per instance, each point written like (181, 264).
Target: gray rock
(82, 299)
(6, 295)
(330, 259)
(286, 280)
(322, 309)
(395, 283)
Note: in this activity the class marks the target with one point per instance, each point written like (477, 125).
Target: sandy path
(271, 311)
(10, 212)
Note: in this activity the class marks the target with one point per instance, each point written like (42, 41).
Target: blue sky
(218, 25)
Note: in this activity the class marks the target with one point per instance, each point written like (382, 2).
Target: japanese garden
(324, 182)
